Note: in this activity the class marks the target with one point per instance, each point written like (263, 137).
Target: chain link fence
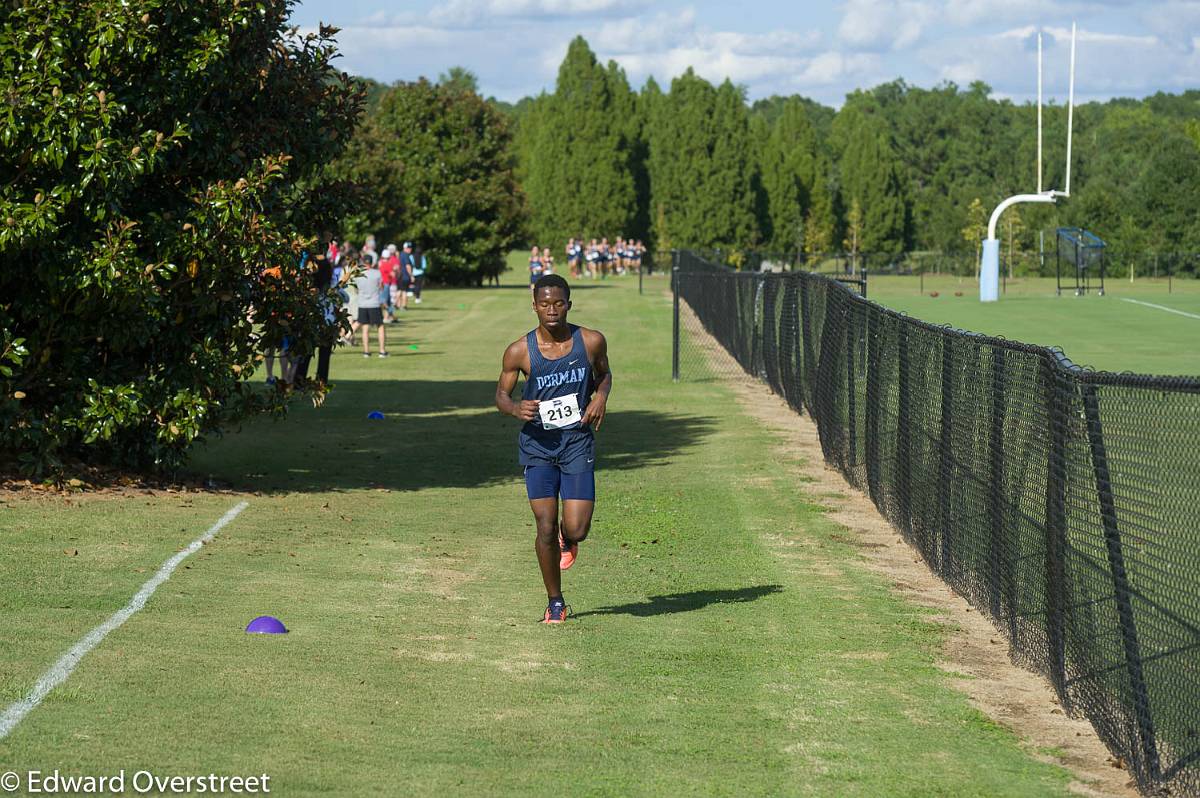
(1061, 502)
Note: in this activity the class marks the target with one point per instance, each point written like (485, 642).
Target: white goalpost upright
(989, 267)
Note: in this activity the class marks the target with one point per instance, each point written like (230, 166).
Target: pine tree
(818, 228)
(730, 192)
(854, 232)
(662, 235)
(580, 172)
(795, 176)
(871, 175)
(701, 166)
(459, 79)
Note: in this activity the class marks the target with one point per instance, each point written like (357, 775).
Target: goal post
(989, 265)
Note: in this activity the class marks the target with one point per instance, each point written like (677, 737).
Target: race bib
(560, 412)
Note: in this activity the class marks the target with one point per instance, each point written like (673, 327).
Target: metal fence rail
(1063, 503)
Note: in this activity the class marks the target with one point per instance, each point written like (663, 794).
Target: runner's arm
(510, 370)
(598, 348)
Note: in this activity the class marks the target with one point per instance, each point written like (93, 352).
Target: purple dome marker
(266, 625)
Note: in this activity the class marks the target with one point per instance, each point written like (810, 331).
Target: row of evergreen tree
(896, 169)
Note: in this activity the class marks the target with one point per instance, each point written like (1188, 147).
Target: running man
(593, 259)
(567, 382)
(574, 252)
(535, 267)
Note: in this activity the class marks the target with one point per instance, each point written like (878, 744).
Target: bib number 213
(560, 412)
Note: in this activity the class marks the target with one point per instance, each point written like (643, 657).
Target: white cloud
(833, 67)
(885, 24)
(1107, 64)
(516, 46)
(629, 35)
(1176, 23)
(678, 43)
(469, 12)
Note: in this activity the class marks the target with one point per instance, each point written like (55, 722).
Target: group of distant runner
(595, 259)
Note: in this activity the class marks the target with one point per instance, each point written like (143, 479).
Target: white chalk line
(59, 672)
(1160, 307)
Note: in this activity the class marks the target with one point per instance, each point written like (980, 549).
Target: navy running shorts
(549, 482)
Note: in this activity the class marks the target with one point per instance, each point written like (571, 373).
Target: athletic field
(1145, 326)
(728, 638)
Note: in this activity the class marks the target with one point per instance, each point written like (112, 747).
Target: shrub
(157, 157)
(433, 162)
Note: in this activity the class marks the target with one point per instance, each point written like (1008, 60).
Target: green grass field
(1107, 332)
(727, 639)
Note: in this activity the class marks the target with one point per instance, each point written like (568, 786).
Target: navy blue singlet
(572, 448)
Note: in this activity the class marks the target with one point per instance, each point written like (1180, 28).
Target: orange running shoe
(567, 554)
(556, 612)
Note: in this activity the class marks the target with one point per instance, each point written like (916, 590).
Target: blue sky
(820, 50)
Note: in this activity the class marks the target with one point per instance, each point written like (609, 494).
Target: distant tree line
(898, 169)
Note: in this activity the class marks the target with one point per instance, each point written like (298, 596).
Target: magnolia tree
(157, 158)
(433, 164)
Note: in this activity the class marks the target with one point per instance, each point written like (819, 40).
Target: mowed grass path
(727, 640)
(1107, 333)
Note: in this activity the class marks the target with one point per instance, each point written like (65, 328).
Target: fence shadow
(671, 603)
(434, 434)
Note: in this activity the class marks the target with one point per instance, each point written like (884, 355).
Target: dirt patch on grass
(974, 654)
(89, 483)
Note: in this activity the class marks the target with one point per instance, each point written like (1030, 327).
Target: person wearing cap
(404, 277)
(389, 267)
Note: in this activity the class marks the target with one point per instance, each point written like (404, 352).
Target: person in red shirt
(389, 264)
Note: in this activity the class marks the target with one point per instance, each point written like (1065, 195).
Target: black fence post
(790, 343)
(1122, 594)
(873, 402)
(997, 565)
(807, 372)
(945, 460)
(675, 333)
(828, 430)
(851, 409)
(903, 433)
(1057, 410)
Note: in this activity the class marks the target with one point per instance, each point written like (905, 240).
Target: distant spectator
(370, 291)
(404, 277)
(535, 266)
(420, 265)
(389, 268)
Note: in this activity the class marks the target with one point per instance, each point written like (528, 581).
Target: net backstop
(1063, 503)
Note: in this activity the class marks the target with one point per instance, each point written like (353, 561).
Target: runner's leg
(576, 519)
(545, 514)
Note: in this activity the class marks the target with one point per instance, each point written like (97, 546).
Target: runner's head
(551, 301)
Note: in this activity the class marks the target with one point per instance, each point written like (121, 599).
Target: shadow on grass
(435, 434)
(685, 602)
